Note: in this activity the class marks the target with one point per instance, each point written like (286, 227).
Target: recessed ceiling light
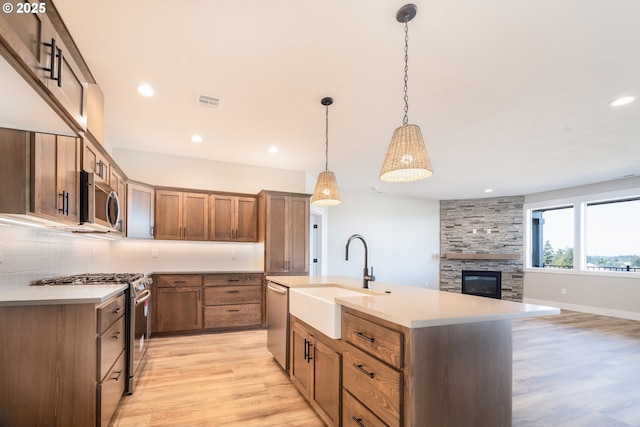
(272, 150)
(145, 90)
(196, 138)
(488, 190)
(622, 101)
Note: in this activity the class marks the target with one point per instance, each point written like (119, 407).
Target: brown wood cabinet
(233, 218)
(232, 300)
(284, 229)
(178, 302)
(452, 375)
(315, 369)
(60, 365)
(181, 215)
(96, 162)
(140, 210)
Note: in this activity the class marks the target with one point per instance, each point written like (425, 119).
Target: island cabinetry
(450, 375)
(178, 302)
(181, 215)
(232, 300)
(234, 218)
(315, 365)
(284, 229)
(140, 210)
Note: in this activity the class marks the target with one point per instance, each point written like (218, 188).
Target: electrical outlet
(154, 253)
(564, 291)
(488, 231)
(475, 231)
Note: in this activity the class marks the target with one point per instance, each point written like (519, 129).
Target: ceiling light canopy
(622, 101)
(145, 90)
(196, 139)
(326, 192)
(272, 150)
(407, 159)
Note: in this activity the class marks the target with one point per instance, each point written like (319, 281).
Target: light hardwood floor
(577, 370)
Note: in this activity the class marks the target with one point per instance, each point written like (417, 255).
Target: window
(552, 237)
(612, 235)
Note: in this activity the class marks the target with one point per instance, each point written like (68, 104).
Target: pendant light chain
(326, 138)
(405, 120)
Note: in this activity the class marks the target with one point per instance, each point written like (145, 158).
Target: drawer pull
(117, 335)
(233, 310)
(117, 377)
(233, 280)
(179, 281)
(363, 336)
(233, 292)
(364, 371)
(358, 421)
(117, 310)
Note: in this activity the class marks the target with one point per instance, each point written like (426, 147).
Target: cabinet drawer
(178, 280)
(355, 414)
(110, 345)
(233, 279)
(375, 384)
(226, 316)
(110, 391)
(110, 311)
(232, 295)
(383, 343)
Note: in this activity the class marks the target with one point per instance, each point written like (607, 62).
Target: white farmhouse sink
(317, 306)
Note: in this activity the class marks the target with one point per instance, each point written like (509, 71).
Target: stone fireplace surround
(497, 243)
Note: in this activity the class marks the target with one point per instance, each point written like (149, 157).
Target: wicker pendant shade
(407, 159)
(326, 192)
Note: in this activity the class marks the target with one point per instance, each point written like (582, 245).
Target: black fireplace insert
(482, 283)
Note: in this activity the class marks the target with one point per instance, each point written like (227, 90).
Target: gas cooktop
(91, 279)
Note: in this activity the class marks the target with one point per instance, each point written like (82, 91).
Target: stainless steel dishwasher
(278, 323)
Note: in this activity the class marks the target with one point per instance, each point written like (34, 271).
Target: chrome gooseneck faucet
(366, 277)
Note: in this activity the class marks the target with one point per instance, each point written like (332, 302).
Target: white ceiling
(510, 95)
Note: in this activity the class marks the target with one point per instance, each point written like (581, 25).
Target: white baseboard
(586, 309)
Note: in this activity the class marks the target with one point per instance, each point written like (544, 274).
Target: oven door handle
(145, 295)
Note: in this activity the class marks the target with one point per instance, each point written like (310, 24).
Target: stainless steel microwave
(99, 205)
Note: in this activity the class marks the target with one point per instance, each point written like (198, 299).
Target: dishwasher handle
(279, 289)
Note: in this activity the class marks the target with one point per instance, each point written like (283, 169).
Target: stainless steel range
(138, 316)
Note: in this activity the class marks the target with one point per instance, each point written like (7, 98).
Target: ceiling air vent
(208, 101)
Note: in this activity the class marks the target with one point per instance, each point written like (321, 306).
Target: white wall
(607, 293)
(203, 174)
(402, 234)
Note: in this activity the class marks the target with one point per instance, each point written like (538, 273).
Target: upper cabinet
(284, 229)
(181, 215)
(96, 162)
(233, 218)
(39, 175)
(140, 210)
(48, 59)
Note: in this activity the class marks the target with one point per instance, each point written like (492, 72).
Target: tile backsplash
(29, 253)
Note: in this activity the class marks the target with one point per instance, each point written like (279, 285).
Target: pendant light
(326, 191)
(407, 159)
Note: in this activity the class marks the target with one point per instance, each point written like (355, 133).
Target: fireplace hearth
(482, 283)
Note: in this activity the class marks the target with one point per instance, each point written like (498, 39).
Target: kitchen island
(420, 357)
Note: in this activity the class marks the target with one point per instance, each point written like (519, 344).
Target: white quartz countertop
(61, 294)
(420, 307)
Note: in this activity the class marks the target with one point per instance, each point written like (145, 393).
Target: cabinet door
(67, 175)
(275, 239)
(298, 235)
(325, 392)
(195, 217)
(140, 204)
(94, 162)
(179, 309)
(168, 215)
(246, 214)
(222, 220)
(25, 34)
(300, 362)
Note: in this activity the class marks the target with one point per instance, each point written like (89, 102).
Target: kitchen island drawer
(110, 345)
(377, 340)
(221, 295)
(178, 280)
(375, 384)
(110, 311)
(355, 414)
(226, 279)
(227, 316)
(111, 390)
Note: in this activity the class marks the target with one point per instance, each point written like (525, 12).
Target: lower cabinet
(315, 369)
(191, 302)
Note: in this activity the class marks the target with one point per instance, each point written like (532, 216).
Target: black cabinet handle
(358, 421)
(116, 335)
(117, 377)
(233, 280)
(364, 371)
(233, 292)
(179, 281)
(51, 69)
(233, 310)
(364, 337)
(62, 208)
(60, 60)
